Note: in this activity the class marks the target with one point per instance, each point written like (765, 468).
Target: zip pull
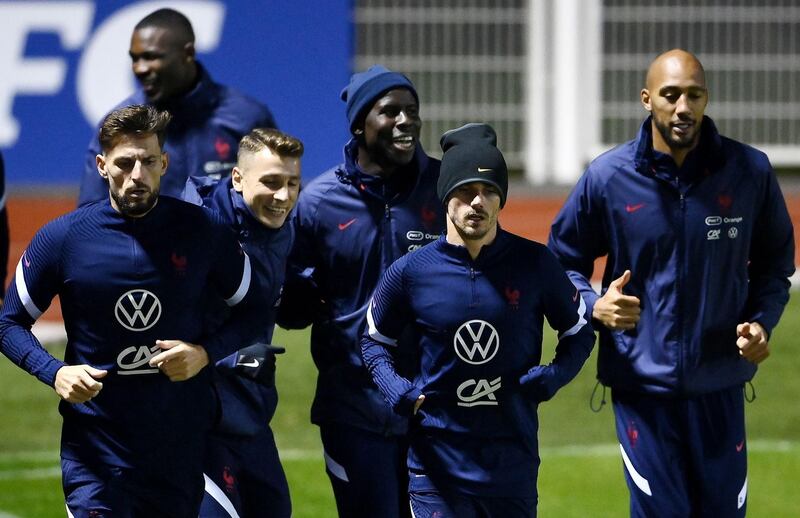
(386, 211)
(752, 396)
(597, 407)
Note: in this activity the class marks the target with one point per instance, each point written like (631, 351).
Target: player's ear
(100, 161)
(645, 98)
(236, 179)
(164, 162)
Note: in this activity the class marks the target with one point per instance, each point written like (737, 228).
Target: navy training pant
(684, 457)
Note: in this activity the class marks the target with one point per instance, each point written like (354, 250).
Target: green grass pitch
(581, 473)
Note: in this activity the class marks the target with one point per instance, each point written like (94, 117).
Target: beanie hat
(365, 87)
(471, 155)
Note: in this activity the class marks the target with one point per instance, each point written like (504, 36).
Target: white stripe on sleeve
(581, 320)
(22, 290)
(244, 286)
(373, 332)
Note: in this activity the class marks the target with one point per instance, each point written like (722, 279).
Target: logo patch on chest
(137, 310)
(476, 342)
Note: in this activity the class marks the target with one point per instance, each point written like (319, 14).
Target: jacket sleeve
(302, 301)
(578, 237)
(233, 279)
(771, 259)
(387, 316)
(93, 187)
(36, 282)
(565, 310)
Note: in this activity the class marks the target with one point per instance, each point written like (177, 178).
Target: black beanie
(471, 155)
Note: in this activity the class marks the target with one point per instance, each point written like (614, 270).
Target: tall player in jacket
(700, 247)
(244, 475)
(474, 301)
(350, 224)
(132, 274)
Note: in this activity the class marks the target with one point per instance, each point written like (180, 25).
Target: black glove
(257, 362)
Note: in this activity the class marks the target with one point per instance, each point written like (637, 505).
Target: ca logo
(134, 357)
(137, 310)
(476, 342)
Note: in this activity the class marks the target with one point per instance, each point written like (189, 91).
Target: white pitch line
(4, 514)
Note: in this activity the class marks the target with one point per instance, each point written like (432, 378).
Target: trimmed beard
(135, 209)
(666, 134)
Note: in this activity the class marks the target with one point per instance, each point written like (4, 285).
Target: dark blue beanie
(365, 87)
(471, 155)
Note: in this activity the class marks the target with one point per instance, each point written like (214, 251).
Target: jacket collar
(710, 146)
(350, 173)
(488, 255)
(205, 94)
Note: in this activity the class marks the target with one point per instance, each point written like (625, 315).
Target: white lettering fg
(104, 73)
(133, 357)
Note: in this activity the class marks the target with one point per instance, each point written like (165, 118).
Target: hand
(539, 383)
(180, 360)
(752, 342)
(78, 383)
(257, 362)
(614, 309)
(418, 403)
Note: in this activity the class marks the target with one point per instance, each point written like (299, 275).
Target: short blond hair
(276, 141)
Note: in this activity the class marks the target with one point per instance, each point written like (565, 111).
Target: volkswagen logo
(476, 342)
(137, 310)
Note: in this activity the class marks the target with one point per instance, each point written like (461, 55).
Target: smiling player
(351, 223)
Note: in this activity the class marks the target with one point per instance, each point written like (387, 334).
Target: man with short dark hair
(350, 224)
(244, 475)
(475, 301)
(700, 247)
(133, 273)
(208, 118)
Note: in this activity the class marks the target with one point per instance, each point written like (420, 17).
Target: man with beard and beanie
(474, 301)
(244, 475)
(208, 119)
(133, 274)
(700, 247)
(350, 224)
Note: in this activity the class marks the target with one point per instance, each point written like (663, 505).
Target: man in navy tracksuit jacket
(244, 475)
(350, 224)
(700, 247)
(132, 274)
(474, 301)
(208, 118)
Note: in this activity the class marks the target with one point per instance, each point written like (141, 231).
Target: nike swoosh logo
(343, 226)
(484, 169)
(575, 297)
(253, 363)
(740, 446)
(633, 208)
(25, 259)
